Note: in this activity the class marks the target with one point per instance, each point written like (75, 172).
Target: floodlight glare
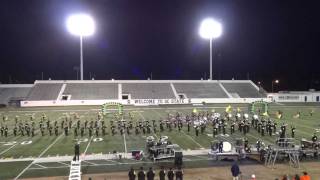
(80, 25)
(210, 29)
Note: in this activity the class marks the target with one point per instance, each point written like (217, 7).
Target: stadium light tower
(80, 25)
(274, 81)
(210, 29)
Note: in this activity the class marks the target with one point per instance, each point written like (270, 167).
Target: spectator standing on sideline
(170, 174)
(305, 176)
(179, 174)
(132, 174)
(150, 174)
(296, 177)
(235, 171)
(162, 174)
(141, 174)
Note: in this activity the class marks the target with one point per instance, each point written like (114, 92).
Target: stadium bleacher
(8, 93)
(92, 91)
(98, 91)
(200, 90)
(148, 90)
(44, 91)
(243, 90)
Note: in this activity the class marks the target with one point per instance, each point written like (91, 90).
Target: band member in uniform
(2, 130)
(262, 129)
(162, 174)
(232, 127)
(197, 130)
(6, 132)
(42, 131)
(293, 129)
(104, 130)
(90, 131)
(215, 131)
(32, 132)
(82, 131)
(314, 139)
(56, 130)
(161, 126)
(66, 133)
(220, 146)
(15, 131)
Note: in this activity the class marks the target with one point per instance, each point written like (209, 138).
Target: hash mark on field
(40, 165)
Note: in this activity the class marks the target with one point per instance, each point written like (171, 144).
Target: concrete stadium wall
(139, 102)
(295, 97)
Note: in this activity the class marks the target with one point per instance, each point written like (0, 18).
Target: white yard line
(4, 151)
(85, 151)
(125, 142)
(39, 156)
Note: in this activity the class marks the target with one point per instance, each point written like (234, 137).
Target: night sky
(262, 40)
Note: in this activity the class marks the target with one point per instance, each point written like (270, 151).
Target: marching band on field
(198, 121)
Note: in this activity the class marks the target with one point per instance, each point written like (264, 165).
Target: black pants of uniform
(76, 156)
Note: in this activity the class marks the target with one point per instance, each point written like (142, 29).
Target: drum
(227, 147)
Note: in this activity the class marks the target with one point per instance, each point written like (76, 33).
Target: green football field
(22, 150)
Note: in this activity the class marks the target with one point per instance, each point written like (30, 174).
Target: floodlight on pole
(80, 25)
(274, 81)
(210, 29)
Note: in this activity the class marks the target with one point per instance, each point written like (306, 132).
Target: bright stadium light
(274, 81)
(80, 25)
(210, 29)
